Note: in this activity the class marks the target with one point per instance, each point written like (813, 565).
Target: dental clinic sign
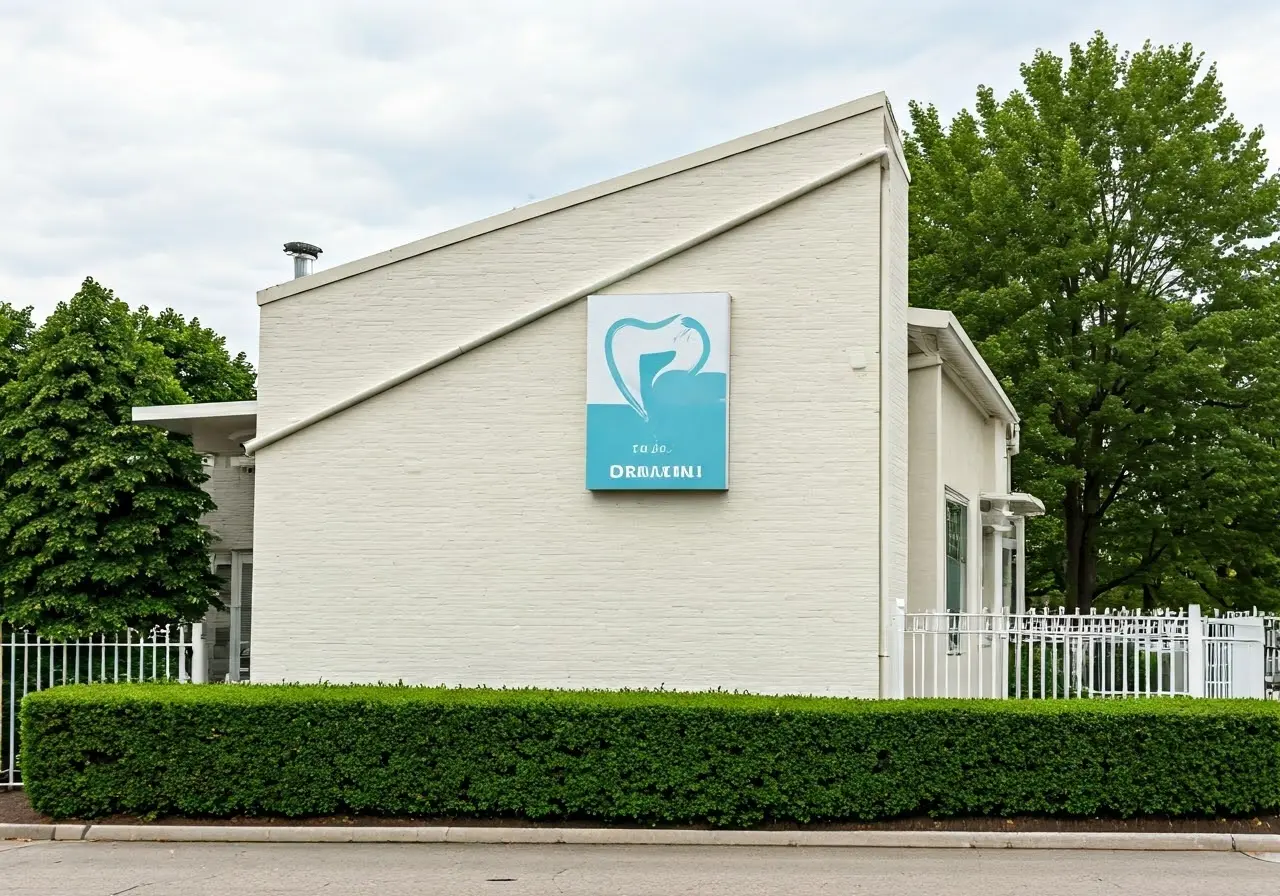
(658, 392)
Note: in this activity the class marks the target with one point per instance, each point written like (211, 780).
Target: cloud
(169, 150)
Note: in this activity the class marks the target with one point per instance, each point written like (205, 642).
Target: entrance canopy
(215, 427)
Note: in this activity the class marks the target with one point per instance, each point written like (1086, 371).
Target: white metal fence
(1054, 655)
(29, 663)
(1270, 647)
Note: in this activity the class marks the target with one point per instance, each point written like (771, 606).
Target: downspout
(887, 687)
(603, 283)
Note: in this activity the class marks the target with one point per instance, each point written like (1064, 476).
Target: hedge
(635, 757)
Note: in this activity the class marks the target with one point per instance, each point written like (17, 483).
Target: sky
(170, 149)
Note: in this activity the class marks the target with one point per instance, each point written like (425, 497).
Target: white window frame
(953, 497)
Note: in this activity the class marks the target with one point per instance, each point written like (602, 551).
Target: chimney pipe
(303, 255)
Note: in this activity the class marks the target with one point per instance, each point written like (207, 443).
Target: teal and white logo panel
(658, 392)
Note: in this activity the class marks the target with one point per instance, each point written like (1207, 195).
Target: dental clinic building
(676, 429)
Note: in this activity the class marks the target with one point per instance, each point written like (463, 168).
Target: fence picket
(176, 643)
(1108, 654)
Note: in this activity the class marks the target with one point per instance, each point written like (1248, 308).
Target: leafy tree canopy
(1107, 235)
(201, 363)
(99, 518)
(15, 331)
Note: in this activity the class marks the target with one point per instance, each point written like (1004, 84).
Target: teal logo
(657, 392)
(668, 342)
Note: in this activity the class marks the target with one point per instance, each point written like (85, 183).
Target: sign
(658, 392)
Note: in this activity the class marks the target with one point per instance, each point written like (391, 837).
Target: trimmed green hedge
(654, 758)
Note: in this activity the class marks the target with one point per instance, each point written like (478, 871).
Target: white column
(1020, 578)
(993, 571)
(199, 655)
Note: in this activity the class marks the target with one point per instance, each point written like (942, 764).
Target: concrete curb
(1253, 843)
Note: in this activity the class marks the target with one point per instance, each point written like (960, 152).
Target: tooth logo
(637, 352)
(658, 392)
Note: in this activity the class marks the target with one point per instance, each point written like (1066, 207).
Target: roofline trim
(964, 354)
(586, 194)
(199, 411)
(879, 156)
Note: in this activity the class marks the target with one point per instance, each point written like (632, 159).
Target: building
(451, 481)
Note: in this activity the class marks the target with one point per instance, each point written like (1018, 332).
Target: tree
(15, 331)
(1107, 236)
(204, 368)
(99, 518)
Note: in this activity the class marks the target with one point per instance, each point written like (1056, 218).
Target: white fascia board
(958, 350)
(586, 194)
(208, 410)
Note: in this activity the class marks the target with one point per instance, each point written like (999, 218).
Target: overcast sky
(169, 149)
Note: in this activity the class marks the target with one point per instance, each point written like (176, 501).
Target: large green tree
(1107, 235)
(99, 518)
(202, 365)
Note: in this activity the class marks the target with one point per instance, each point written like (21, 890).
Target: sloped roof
(586, 194)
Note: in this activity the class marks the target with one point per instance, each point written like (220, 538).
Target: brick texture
(232, 491)
(441, 532)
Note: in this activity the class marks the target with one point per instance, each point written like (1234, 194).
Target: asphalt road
(196, 869)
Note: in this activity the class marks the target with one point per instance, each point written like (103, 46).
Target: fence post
(898, 637)
(199, 655)
(1195, 652)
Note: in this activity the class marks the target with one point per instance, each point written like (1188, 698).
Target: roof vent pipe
(303, 255)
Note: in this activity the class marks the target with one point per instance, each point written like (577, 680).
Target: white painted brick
(322, 345)
(441, 532)
(926, 576)
(968, 469)
(895, 385)
(232, 491)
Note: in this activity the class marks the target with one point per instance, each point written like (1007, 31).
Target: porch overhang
(1001, 511)
(1013, 503)
(214, 427)
(938, 335)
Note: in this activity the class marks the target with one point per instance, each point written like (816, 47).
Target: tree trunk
(1073, 525)
(1080, 516)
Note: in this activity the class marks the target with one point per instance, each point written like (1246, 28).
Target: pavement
(73, 868)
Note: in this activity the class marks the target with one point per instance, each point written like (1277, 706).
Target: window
(957, 554)
(245, 611)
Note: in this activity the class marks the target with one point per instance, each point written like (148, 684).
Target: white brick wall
(322, 345)
(953, 445)
(232, 490)
(894, 384)
(968, 467)
(449, 537)
(926, 580)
